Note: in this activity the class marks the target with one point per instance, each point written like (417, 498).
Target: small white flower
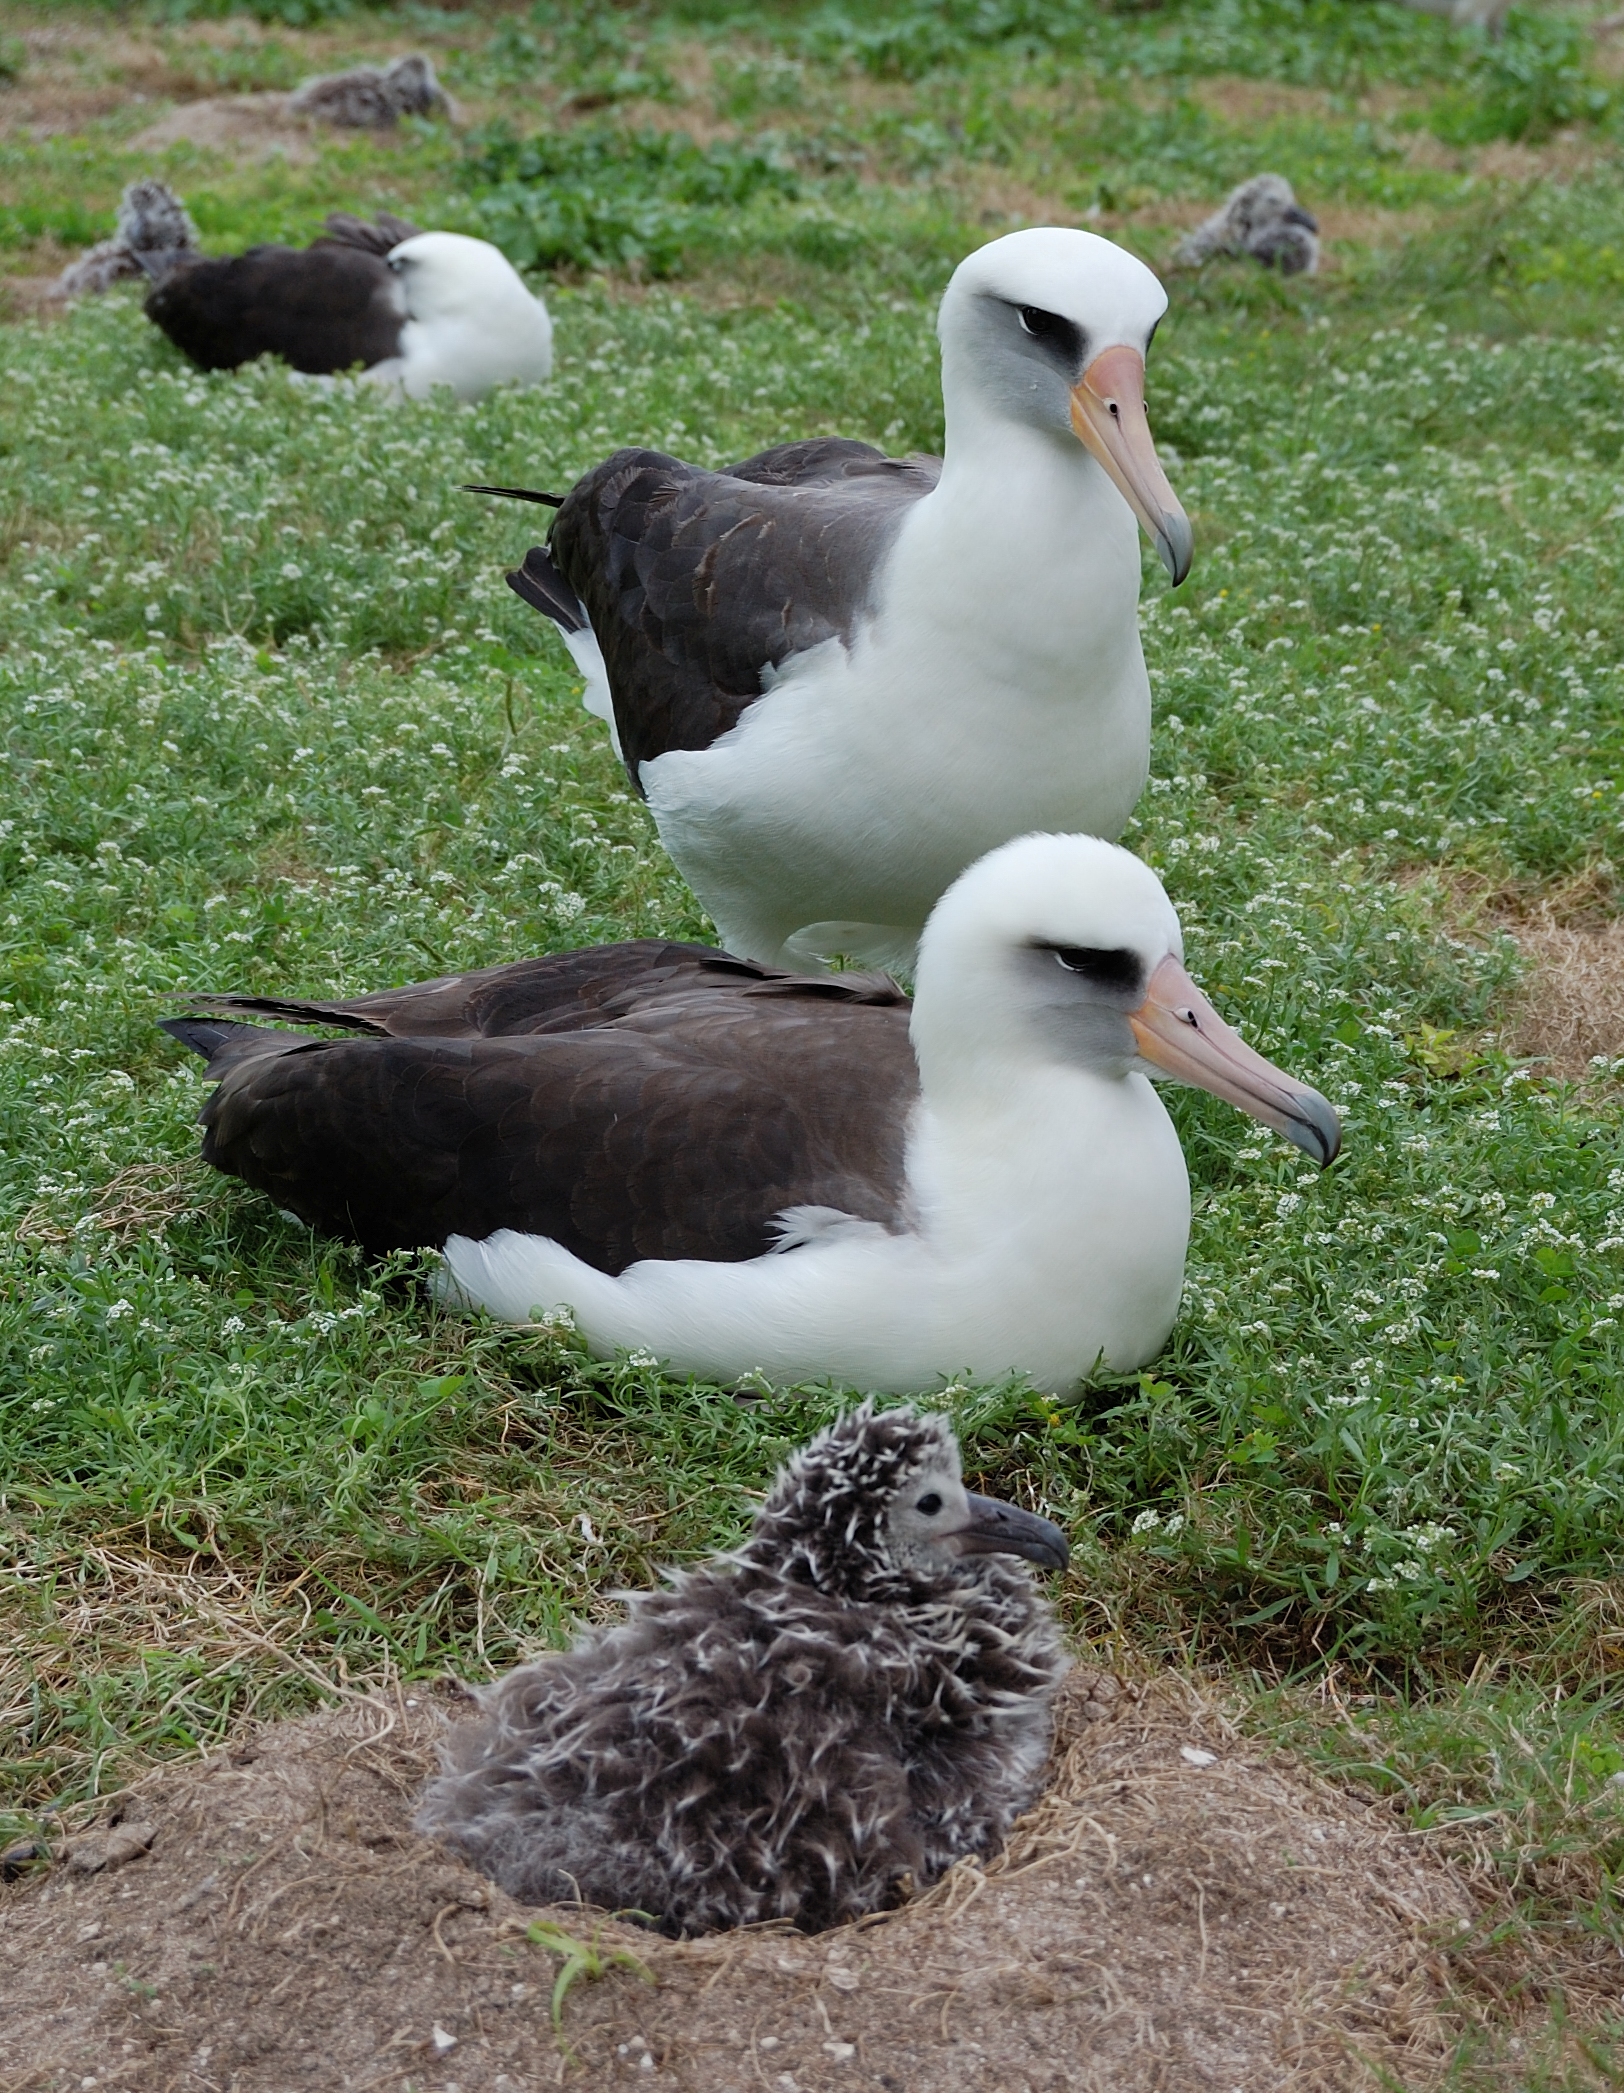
(1147, 1522)
(233, 1326)
(117, 1310)
(1542, 1200)
(291, 570)
(642, 1357)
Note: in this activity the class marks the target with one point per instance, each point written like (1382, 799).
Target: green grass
(274, 722)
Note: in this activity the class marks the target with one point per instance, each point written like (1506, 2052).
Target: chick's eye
(930, 1504)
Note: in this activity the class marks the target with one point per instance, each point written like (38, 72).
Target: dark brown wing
(381, 237)
(563, 992)
(681, 1129)
(696, 582)
(325, 308)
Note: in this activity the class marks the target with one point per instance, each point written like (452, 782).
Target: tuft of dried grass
(1570, 1011)
(1567, 1012)
(131, 1206)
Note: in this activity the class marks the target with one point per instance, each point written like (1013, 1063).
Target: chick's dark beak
(1004, 1529)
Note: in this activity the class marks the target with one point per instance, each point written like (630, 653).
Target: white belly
(1007, 697)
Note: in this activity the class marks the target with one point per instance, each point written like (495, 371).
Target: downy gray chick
(1261, 218)
(858, 1695)
(367, 99)
(153, 224)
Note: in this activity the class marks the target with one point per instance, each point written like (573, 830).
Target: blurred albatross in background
(745, 1171)
(414, 309)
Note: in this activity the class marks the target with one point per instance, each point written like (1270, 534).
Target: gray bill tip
(1314, 1127)
(1175, 541)
(996, 1528)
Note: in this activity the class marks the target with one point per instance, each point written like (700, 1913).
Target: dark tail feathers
(541, 585)
(549, 501)
(223, 1044)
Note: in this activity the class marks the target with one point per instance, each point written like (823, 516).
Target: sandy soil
(1183, 1910)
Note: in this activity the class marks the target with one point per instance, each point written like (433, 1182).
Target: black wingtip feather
(541, 585)
(550, 501)
(207, 1035)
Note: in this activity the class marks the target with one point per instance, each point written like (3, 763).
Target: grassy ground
(274, 722)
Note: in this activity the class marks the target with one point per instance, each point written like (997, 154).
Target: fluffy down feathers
(790, 1732)
(153, 227)
(1263, 219)
(367, 99)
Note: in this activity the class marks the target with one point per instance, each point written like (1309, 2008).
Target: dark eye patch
(1103, 967)
(930, 1504)
(1055, 332)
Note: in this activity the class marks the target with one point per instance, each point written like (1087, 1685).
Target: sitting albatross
(839, 678)
(415, 309)
(859, 1694)
(750, 1172)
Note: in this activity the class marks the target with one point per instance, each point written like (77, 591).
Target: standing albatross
(746, 1171)
(839, 678)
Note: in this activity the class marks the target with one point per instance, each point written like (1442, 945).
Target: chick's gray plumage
(786, 1733)
(1263, 219)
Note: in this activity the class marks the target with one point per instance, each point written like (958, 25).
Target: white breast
(1000, 687)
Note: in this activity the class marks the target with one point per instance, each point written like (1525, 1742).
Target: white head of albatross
(840, 678)
(1048, 330)
(1042, 1217)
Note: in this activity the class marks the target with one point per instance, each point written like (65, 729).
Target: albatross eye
(930, 1504)
(1114, 968)
(1055, 332)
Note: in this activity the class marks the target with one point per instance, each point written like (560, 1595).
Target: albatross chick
(153, 228)
(747, 1171)
(858, 1695)
(1262, 218)
(366, 98)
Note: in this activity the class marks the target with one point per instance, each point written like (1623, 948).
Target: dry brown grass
(130, 1207)
(1570, 1010)
(1567, 1011)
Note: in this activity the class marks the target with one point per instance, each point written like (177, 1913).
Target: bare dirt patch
(1249, 102)
(250, 126)
(1162, 1919)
